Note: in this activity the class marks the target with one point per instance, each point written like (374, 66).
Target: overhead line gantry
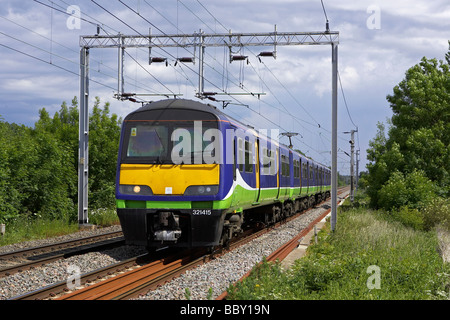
(199, 41)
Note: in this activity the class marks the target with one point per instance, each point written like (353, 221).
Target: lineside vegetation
(342, 264)
(393, 228)
(39, 172)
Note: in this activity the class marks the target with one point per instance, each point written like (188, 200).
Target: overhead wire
(52, 41)
(348, 111)
(345, 101)
(277, 79)
(168, 53)
(50, 63)
(340, 82)
(268, 87)
(129, 26)
(104, 25)
(84, 13)
(216, 20)
(206, 24)
(275, 96)
(132, 28)
(178, 30)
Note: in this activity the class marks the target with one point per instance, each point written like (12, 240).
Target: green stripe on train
(241, 199)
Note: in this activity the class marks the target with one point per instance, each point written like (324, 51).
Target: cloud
(371, 61)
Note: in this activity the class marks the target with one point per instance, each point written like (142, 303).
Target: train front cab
(160, 202)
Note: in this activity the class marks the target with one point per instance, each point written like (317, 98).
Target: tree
(39, 166)
(104, 135)
(418, 137)
(421, 120)
(103, 151)
(384, 161)
(9, 196)
(52, 179)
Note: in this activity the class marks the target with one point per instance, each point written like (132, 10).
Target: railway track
(153, 272)
(41, 255)
(141, 274)
(142, 279)
(61, 287)
(149, 276)
(59, 245)
(145, 278)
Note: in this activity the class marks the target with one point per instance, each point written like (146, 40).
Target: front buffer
(155, 228)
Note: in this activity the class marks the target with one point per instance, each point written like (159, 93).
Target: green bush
(414, 190)
(437, 212)
(409, 217)
(39, 166)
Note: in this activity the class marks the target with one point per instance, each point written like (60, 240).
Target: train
(188, 175)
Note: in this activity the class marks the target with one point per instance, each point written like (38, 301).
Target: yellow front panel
(168, 178)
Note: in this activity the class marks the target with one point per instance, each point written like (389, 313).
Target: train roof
(191, 104)
(178, 104)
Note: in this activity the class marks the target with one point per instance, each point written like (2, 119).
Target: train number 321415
(201, 212)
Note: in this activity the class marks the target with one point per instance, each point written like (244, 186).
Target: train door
(234, 159)
(293, 173)
(297, 176)
(300, 164)
(321, 179)
(303, 175)
(284, 183)
(257, 171)
(238, 156)
(278, 171)
(308, 180)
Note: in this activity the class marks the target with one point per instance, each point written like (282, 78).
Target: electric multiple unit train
(188, 175)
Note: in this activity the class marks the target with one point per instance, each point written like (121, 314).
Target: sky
(378, 42)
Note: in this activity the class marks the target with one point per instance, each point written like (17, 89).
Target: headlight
(131, 189)
(201, 190)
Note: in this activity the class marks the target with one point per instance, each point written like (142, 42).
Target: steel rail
(105, 244)
(283, 251)
(62, 287)
(133, 282)
(59, 245)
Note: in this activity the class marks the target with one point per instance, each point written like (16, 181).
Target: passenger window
(240, 154)
(248, 157)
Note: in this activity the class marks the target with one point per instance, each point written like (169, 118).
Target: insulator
(157, 59)
(186, 59)
(239, 58)
(266, 54)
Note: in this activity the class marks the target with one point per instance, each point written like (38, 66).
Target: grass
(367, 257)
(30, 228)
(103, 217)
(27, 228)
